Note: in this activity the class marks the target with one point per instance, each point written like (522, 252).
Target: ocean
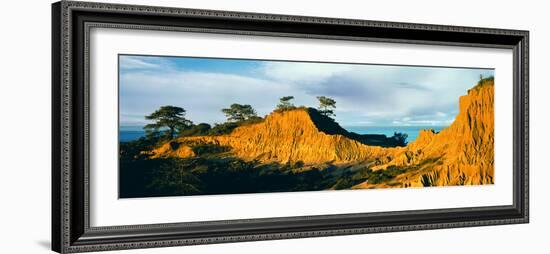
(129, 133)
(411, 131)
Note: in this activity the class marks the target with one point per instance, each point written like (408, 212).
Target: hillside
(461, 154)
(285, 137)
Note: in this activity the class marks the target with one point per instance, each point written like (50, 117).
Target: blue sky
(366, 95)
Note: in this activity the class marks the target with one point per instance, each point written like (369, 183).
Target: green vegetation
(169, 117)
(285, 104)
(209, 149)
(238, 113)
(483, 80)
(326, 106)
(210, 172)
(200, 129)
(228, 127)
(213, 170)
(170, 121)
(381, 176)
(400, 138)
(366, 174)
(173, 119)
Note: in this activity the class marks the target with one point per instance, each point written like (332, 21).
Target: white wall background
(25, 125)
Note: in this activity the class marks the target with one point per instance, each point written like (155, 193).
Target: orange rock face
(171, 149)
(288, 137)
(461, 154)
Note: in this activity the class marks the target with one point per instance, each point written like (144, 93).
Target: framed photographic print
(181, 126)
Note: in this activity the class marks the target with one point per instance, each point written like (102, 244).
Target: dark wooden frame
(71, 22)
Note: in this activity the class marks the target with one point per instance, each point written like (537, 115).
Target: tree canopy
(170, 117)
(285, 104)
(238, 113)
(326, 106)
(196, 130)
(400, 138)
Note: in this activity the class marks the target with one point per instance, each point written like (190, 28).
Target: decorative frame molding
(71, 22)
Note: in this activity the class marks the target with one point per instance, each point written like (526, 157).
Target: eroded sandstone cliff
(461, 154)
(284, 137)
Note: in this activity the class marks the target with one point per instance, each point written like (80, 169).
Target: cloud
(365, 94)
(202, 94)
(407, 85)
(382, 94)
(128, 62)
(435, 119)
(301, 72)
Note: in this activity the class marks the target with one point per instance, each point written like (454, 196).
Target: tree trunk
(172, 132)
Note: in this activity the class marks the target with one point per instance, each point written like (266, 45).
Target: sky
(365, 94)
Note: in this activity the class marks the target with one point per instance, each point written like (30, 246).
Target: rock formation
(461, 154)
(285, 137)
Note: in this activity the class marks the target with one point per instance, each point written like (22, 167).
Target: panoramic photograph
(206, 126)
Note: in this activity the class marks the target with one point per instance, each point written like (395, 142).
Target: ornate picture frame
(71, 228)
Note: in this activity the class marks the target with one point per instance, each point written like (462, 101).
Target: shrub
(196, 130)
(285, 104)
(223, 128)
(228, 127)
(400, 138)
(206, 149)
